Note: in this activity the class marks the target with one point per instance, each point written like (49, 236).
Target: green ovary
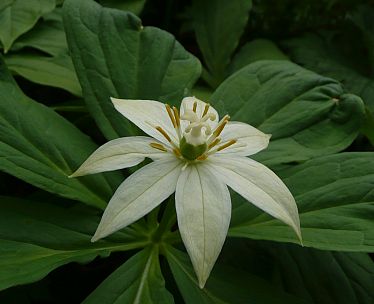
(191, 152)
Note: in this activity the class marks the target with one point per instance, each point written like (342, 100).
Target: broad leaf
(224, 284)
(323, 53)
(47, 35)
(19, 16)
(258, 49)
(133, 6)
(335, 198)
(36, 238)
(42, 148)
(313, 276)
(139, 280)
(307, 114)
(51, 71)
(218, 26)
(115, 56)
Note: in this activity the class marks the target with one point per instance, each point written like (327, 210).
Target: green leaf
(324, 277)
(139, 280)
(133, 6)
(307, 114)
(258, 49)
(19, 16)
(313, 276)
(51, 71)
(115, 56)
(42, 148)
(47, 36)
(224, 284)
(335, 199)
(36, 238)
(218, 26)
(323, 53)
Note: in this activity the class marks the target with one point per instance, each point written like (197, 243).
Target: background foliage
(300, 70)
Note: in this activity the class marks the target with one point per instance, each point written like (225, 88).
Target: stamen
(194, 106)
(162, 131)
(206, 109)
(228, 144)
(177, 152)
(219, 129)
(202, 157)
(171, 116)
(214, 143)
(176, 116)
(158, 147)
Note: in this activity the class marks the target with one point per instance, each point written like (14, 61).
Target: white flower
(196, 156)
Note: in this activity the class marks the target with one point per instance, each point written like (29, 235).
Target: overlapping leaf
(139, 280)
(42, 148)
(36, 238)
(115, 56)
(335, 198)
(307, 114)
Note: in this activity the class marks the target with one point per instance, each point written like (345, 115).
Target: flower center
(197, 141)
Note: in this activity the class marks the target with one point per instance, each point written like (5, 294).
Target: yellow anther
(158, 147)
(206, 109)
(202, 157)
(171, 116)
(177, 152)
(228, 144)
(219, 129)
(162, 131)
(214, 143)
(194, 106)
(176, 116)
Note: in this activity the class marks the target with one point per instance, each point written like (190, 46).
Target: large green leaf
(19, 16)
(47, 35)
(323, 53)
(225, 285)
(258, 49)
(55, 71)
(42, 148)
(314, 276)
(139, 280)
(133, 6)
(36, 238)
(335, 198)
(114, 55)
(325, 277)
(218, 26)
(307, 114)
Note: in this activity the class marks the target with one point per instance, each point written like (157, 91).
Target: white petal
(120, 153)
(259, 185)
(147, 115)
(188, 102)
(249, 139)
(204, 210)
(139, 194)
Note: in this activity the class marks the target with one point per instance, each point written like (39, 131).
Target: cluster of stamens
(197, 134)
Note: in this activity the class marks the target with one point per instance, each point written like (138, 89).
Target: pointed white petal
(188, 102)
(147, 115)
(249, 139)
(120, 153)
(259, 185)
(139, 194)
(204, 210)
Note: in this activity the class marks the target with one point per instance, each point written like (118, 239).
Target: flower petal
(259, 185)
(120, 153)
(147, 115)
(139, 194)
(204, 210)
(188, 102)
(249, 139)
